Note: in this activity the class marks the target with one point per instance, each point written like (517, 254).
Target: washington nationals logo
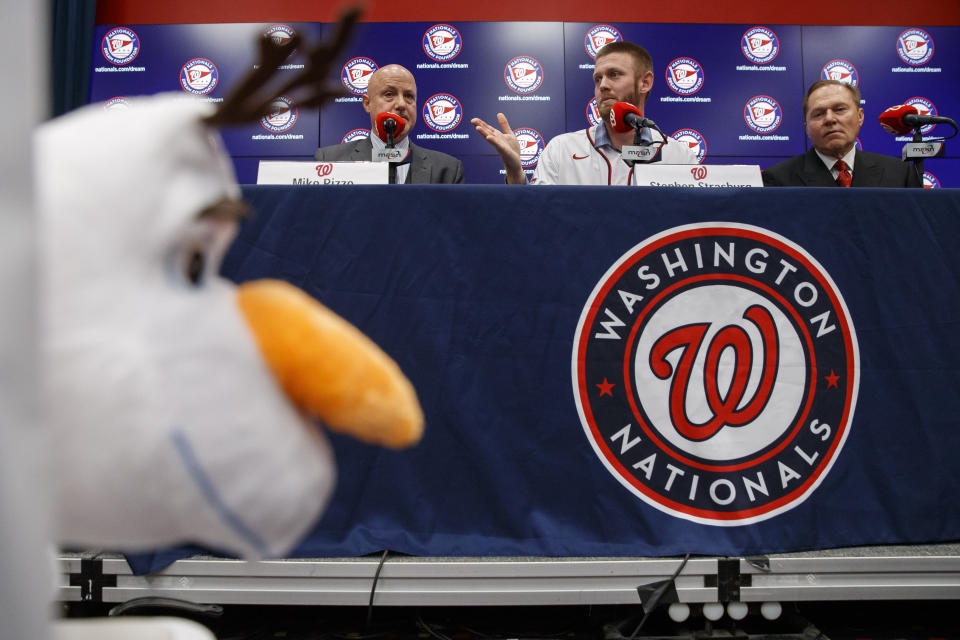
(715, 371)
(693, 140)
(930, 181)
(442, 42)
(282, 116)
(725, 409)
(599, 36)
(760, 45)
(593, 113)
(355, 134)
(199, 76)
(915, 47)
(684, 76)
(281, 34)
(762, 114)
(120, 45)
(523, 74)
(840, 70)
(355, 74)
(442, 112)
(531, 146)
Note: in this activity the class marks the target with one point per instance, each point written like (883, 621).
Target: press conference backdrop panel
(731, 92)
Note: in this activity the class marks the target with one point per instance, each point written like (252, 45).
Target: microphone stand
(920, 149)
(392, 168)
(637, 142)
(918, 162)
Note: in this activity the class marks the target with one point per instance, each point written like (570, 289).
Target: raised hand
(506, 144)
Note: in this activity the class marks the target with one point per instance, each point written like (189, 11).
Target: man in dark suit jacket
(392, 89)
(833, 116)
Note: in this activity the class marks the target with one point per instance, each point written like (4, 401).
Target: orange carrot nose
(329, 368)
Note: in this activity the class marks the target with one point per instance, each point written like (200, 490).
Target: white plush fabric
(167, 426)
(127, 628)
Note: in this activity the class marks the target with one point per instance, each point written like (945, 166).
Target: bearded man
(623, 72)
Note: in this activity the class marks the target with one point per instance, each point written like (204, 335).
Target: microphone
(624, 116)
(387, 124)
(892, 119)
(901, 118)
(921, 120)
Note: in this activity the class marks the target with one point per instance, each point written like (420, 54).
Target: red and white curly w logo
(729, 408)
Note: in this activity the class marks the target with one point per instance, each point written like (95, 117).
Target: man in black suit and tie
(833, 116)
(392, 89)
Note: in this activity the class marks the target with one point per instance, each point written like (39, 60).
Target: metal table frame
(863, 573)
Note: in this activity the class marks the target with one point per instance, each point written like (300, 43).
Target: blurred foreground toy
(180, 405)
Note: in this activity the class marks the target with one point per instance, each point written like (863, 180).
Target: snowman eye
(194, 256)
(202, 244)
(196, 264)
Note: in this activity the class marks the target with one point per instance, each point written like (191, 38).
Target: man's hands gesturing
(506, 144)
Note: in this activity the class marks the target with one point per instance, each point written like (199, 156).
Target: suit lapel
(814, 173)
(420, 172)
(866, 172)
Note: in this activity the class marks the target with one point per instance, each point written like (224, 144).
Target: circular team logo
(598, 37)
(924, 108)
(531, 146)
(442, 42)
(685, 76)
(118, 103)
(760, 45)
(280, 34)
(930, 181)
(442, 112)
(355, 134)
(915, 46)
(120, 46)
(355, 75)
(523, 74)
(840, 70)
(857, 144)
(762, 114)
(283, 115)
(593, 113)
(693, 140)
(199, 76)
(715, 371)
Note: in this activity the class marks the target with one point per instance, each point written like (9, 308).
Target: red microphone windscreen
(618, 112)
(892, 119)
(382, 117)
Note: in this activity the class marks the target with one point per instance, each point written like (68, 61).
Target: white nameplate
(639, 154)
(697, 175)
(297, 173)
(387, 155)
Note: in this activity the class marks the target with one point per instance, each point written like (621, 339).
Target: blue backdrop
(716, 71)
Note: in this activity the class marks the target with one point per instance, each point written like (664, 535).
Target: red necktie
(844, 178)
